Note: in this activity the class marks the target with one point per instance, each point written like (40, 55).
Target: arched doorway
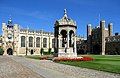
(31, 52)
(9, 51)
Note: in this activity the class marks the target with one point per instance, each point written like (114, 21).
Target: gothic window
(53, 41)
(22, 41)
(45, 42)
(30, 41)
(38, 42)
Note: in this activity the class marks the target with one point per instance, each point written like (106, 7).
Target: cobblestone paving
(12, 69)
(49, 69)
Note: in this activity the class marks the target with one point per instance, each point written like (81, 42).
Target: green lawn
(101, 63)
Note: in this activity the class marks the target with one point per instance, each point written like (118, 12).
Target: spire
(65, 13)
(10, 21)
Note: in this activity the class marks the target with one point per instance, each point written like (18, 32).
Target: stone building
(96, 37)
(113, 44)
(18, 41)
(65, 37)
(101, 41)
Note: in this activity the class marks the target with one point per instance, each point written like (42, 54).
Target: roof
(65, 20)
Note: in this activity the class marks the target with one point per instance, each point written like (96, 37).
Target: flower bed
(83, 58)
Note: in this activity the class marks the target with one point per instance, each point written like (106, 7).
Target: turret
(89, 29)
(102, 29)
(110, 25)
(10, 24)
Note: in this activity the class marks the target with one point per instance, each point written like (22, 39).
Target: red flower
(84, 58)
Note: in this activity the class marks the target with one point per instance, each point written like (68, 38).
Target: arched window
(30, 41)
(53, 42)
(64, 37)
(38, 42)
(71, 33)
(45, 42)
(22, 41)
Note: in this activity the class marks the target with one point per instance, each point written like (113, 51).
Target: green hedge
(1, 51)
(49, 52)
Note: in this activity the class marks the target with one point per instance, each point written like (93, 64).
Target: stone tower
(65, 37)
(102, 33)
(89, 35)
(10, 38)
(110, 25)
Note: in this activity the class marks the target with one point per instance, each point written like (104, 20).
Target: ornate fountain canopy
(65, 20)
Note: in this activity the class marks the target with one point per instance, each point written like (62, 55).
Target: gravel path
(49, 69)
(12, 69)
(21, 67)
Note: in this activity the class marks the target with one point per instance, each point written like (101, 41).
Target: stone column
(67, 38)
(27, 42)
(75, 44)
(42, 39)
(59, 41)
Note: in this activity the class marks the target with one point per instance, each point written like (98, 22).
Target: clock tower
(9, 39)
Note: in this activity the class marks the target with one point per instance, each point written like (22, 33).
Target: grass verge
(101, 63)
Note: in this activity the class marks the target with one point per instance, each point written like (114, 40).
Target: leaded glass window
(22, 41)
(38, 42)
(45, 42)
(30, 41)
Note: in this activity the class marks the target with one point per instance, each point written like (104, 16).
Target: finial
(65, 13)
(10, 20)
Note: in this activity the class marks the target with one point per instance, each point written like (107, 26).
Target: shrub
(1, 51)
(46, 53)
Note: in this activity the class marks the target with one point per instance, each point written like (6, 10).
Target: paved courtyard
(21, 67)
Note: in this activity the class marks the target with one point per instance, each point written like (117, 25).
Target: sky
(42, 14)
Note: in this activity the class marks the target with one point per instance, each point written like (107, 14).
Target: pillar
(68, 39)
(75, 44)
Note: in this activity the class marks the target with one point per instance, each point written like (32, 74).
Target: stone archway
(10, 51)
(64, 37)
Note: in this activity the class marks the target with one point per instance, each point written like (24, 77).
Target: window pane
(30, 41)
(22, 41)
(45, 42)
(38, 42)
